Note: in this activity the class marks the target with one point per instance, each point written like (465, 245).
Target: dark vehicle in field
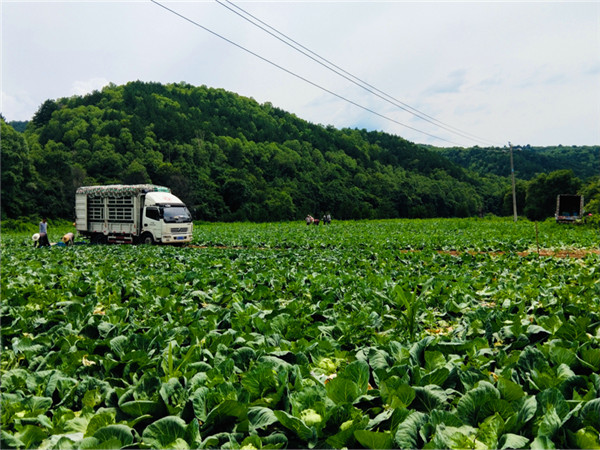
(569, 208)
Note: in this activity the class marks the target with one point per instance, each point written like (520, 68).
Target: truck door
(151, 223)
(81, 212)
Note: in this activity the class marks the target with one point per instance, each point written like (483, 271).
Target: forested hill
(529, 161)
(229, 158)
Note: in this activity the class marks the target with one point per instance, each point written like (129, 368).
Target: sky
(479, 72)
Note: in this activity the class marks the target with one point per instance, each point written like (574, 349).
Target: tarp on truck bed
(120, 190)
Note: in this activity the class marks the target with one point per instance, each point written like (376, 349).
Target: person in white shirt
(44, 242)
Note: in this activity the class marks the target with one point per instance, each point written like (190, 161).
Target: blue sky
(525, 72)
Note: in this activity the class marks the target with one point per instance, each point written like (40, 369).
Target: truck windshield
(175, 214)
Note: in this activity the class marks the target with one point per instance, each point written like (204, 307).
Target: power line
(299, 76)
(347, 75)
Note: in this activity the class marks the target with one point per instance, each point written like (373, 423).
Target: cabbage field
(470, 333)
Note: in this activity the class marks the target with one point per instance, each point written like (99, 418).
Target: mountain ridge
(230, 159)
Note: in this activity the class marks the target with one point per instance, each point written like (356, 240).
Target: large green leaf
(509, 390)
(588, 438)
(428, 398)
(470, 407)
(526, 408)
(174, 396)
(434, 360)
(296, 425)
(31, 436)
(226, 413)
(374, 439)
(359, 373)
(460, 437)
(261, 417)
(192, 434)
(10, 441)
(497, 406)
(100, 420)
(166, 433)
(342, 390)
(199, 402)
(553, 398)
(13, 380)
(510, 440)
(437, 377)
(345, 436)
(65, 442)
(532, 358)
(542, 442)
(591, 357)
(590, 413)
(119, 345)
(550, 423)
(261, 380)
(275, 440)
(113, 436)
(561, 355)
(439, 416)
(395, 393)
(490, 430)
(407, 433)
(137, 408)
(378, 358)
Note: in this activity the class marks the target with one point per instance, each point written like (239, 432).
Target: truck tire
(146, 239)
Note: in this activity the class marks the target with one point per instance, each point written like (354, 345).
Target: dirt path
(570, 253)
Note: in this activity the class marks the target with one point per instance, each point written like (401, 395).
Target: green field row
(384, 334)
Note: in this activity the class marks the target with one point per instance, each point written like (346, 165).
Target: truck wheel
(147, 239)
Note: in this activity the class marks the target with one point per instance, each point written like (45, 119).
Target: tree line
(233, 159)
(529, 161)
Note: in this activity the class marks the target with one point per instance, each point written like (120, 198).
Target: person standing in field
(43, 241)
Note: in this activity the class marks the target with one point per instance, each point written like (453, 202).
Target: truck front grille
(179, 230)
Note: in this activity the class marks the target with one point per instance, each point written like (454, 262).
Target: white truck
(132, 214)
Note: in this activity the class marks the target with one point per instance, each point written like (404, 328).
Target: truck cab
(165, 219)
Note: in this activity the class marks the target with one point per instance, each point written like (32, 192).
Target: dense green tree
(540, 199)
(520, 194)
(230, 158)
(18, 177)
(19, 125)
(591, 193)
(136, 174)
(529, 161)
(44, 113)
(57, 190)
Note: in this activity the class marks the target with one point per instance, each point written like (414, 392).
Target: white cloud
(17, 106)
(499, 70)
(453, 82)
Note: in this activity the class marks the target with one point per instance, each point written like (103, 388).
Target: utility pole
(512, 176)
